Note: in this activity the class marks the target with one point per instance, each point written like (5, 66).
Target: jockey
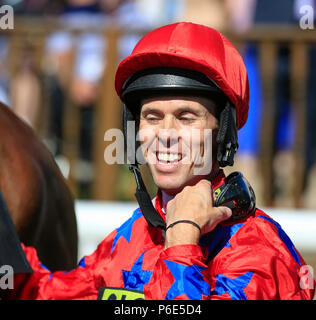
(202, 237)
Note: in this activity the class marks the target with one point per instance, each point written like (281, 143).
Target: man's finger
(205, 182)
(224, 213)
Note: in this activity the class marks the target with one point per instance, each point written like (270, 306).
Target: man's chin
(172, 191)
(169, 185)
(173, 185)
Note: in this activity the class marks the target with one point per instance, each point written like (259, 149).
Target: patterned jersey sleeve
(42, 284)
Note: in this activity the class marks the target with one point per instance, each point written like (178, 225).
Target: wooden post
(71, 127)
(268, 58)
(299, 63)
(14, 52)
(108, 116)
(37, 42)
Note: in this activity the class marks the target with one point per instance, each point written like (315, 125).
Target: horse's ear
(11, 252)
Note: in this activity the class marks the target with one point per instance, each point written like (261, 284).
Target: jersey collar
(216, 182)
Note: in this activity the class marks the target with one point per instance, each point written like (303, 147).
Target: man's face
(176, 139)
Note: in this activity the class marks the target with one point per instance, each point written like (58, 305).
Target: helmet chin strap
(144, 201)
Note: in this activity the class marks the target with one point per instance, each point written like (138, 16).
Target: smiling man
(186, 88)
(176, 131)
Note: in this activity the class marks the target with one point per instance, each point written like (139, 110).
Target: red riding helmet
(194, 47)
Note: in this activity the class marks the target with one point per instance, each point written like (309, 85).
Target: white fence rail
(97, 219)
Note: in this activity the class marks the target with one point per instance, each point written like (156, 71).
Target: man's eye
(152, 118)
(186, 119)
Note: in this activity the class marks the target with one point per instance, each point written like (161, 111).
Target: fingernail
(228, 212)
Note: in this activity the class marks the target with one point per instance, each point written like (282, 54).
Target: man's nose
(168, 133)
(169, 122)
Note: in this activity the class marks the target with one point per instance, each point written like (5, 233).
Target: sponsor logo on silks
(108, 293)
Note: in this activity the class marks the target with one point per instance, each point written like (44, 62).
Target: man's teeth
(170, 157)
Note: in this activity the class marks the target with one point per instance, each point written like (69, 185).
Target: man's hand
(193, 203)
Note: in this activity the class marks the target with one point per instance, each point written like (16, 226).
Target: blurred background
(57, 71)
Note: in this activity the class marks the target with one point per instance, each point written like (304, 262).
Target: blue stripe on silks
(219, 238)
(188, 281)
(44, 267)
(234, 287)
(136, 278)
(285, 238)
(125, 230)
(82, 263)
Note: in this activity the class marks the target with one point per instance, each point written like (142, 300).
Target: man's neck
(167, 197)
